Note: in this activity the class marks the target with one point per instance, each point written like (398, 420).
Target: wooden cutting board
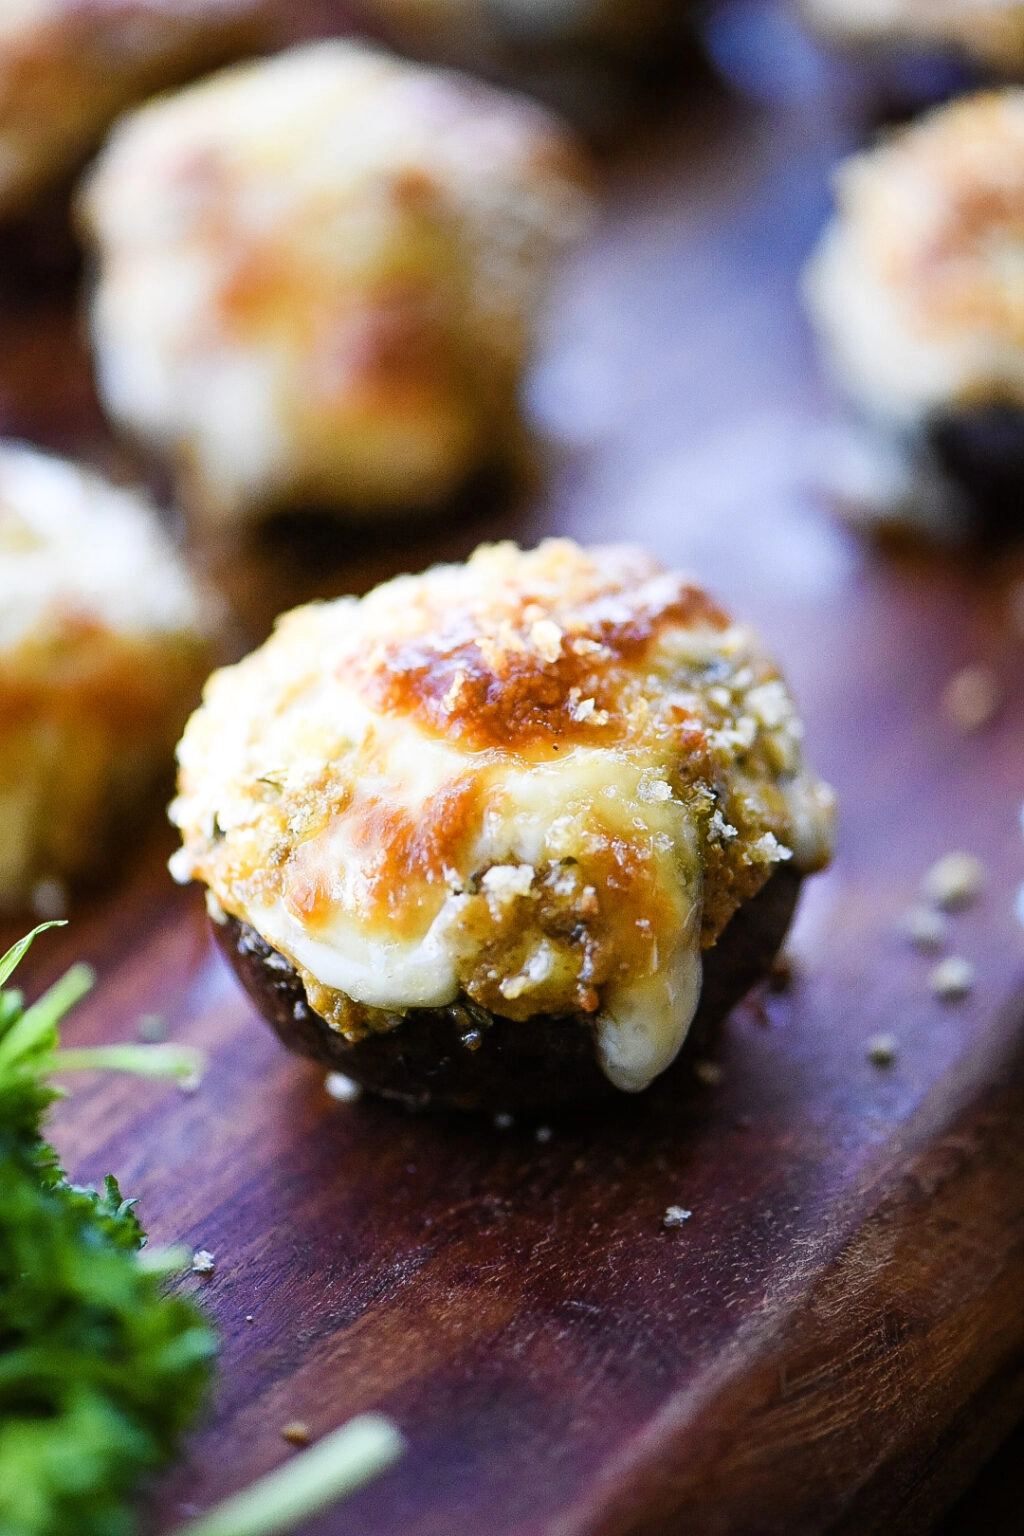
(834, 1341)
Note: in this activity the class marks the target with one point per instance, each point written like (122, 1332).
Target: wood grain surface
(835, 1340)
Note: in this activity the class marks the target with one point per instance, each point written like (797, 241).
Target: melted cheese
(406, 798)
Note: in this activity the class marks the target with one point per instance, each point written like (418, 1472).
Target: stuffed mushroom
(104, 643)
(915, 294)
(319, 276)
(494, 836)
(68, 67)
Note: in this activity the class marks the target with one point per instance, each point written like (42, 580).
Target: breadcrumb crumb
(954, 882)
(675, 1216)
(342, 1088)
(203, 1262)
(708, 1072)
(296, 1432)
(972, 698)
(926, 928)
(952, 978)
(881, 1050)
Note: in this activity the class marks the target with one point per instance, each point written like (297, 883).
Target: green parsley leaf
(100, 1370)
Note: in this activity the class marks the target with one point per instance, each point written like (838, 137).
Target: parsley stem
(36, 1030)
(181, 1061)
(308, 1484)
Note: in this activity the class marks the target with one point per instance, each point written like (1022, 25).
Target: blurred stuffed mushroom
(915, 294)
(318, 280)
(69, 67)
(104, 642)
(498, 836)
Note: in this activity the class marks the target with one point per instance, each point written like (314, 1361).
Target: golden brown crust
(510, 676)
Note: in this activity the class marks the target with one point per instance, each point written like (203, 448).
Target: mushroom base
(433, 1059)
(980, 450)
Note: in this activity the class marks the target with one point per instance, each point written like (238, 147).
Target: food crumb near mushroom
(708, 1072)
(203, 1262)
(543, 1134)
(926, 928)
(49, 899)
(152, 1028)
(503, 1122)
(972, 698)
(675, 1216)
(952, 978)
(881, 1050)
(191, 1082)
(342, 1088)
(296, 1432)
(954, 881)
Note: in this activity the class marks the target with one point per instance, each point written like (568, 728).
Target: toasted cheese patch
(917, 288)
(319, 277)
(403, 795)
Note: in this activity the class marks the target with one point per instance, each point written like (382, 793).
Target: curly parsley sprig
(100, 1370)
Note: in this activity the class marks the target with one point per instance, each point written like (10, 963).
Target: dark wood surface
(835, 1340)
